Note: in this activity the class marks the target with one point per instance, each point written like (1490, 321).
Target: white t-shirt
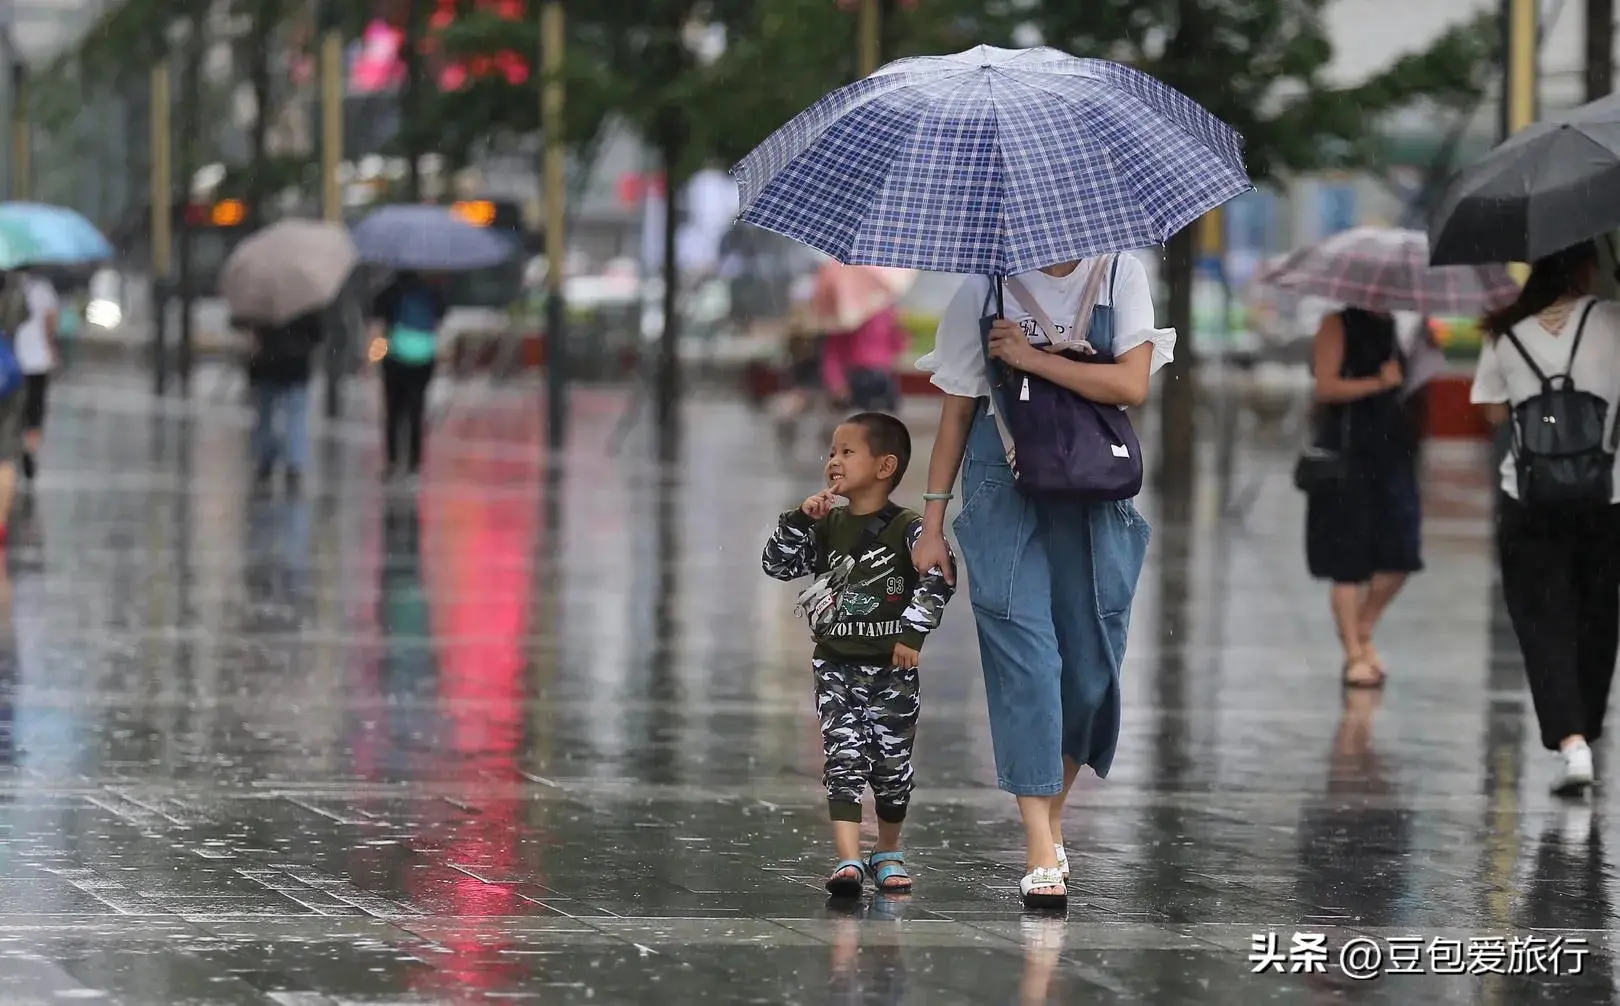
(1504, 378)
(33, 348)
(957, 361)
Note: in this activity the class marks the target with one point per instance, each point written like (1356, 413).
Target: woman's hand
(1009, 345)
(1390, 374)
(930, 552)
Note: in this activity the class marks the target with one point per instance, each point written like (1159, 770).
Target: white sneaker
(1576, 775)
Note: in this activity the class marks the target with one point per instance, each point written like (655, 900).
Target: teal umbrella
(39, 234)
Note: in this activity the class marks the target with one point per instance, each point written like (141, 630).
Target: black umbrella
(1551, 185)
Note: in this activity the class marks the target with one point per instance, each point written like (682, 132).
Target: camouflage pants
(868, 723)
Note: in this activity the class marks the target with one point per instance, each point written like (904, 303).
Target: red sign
(633, 187)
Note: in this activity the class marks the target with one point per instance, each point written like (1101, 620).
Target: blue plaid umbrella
(991, 161)
(427, 238)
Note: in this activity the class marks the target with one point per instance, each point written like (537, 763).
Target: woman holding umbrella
(1363, 525)
(1543, 196)
(1025, 169)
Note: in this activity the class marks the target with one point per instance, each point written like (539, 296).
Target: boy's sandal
(1063, 861)
(887, 866)
(1043, 878)
(846, 885)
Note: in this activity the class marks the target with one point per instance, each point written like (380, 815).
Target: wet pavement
(510, 738)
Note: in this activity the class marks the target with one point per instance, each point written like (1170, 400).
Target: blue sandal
(886, 866)
(841, 886)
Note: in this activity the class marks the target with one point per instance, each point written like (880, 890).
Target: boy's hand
(818, 506)
(905, 656)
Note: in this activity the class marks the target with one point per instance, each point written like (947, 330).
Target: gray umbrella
(428, 239)
(286, 270)
(1551, 185)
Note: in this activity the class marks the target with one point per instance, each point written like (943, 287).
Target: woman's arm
(944, 464)
(1123, 382)
(1331, 389)
(1490, 390)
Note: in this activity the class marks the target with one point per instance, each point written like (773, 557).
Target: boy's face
(851, 465)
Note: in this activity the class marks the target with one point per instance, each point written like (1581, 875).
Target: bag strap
(876, 526)
(992, 406)
(1575, 347)
(1100, 269)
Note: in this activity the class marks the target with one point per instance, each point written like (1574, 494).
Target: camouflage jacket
(884, 601)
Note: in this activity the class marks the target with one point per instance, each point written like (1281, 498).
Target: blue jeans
(1051, 584)
(289, 402)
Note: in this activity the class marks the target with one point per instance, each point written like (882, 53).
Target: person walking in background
(38, 354)
(1363, 533)
(13, 315)
(858, 365)
(279, 370)
(408, 311)
(1554, 353)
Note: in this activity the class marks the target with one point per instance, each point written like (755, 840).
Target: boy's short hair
(885, 435)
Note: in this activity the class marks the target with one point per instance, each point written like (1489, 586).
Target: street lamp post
(161, 197)
(1521, 19)
(22, 153)
(1599, 48)
(339, 347)
(555, 175)
(871, 36)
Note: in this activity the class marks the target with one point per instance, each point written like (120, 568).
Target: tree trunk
(1178, 402)
(669, 356)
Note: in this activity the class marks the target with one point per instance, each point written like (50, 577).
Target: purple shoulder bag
(1058, 443)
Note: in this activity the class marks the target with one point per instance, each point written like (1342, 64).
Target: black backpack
(1559, 451)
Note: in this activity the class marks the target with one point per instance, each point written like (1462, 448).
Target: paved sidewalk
(373, 746)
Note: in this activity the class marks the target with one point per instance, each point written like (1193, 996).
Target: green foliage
(1260, 64)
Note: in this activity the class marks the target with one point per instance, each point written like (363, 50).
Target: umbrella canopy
(1551, 185)
(848, 296)
(991, 161)
(40, 234)
(427, 239)
(287, 270)
(1385, 269)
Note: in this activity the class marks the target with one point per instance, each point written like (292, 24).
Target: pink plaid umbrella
(848, 296)
(1385, 269)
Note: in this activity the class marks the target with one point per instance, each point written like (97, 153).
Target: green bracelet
(930, 497)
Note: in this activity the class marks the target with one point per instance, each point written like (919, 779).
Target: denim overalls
(1051, 583)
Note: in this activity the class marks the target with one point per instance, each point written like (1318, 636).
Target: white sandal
(1043, 877)
(1063, 861)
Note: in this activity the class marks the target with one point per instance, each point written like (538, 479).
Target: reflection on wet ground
(470, 746)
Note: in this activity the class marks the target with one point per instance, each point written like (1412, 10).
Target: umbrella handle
(1001, 304)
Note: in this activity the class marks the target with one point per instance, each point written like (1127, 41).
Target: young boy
(871, 614)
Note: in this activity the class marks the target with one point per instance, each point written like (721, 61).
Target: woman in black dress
(1363, 534)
